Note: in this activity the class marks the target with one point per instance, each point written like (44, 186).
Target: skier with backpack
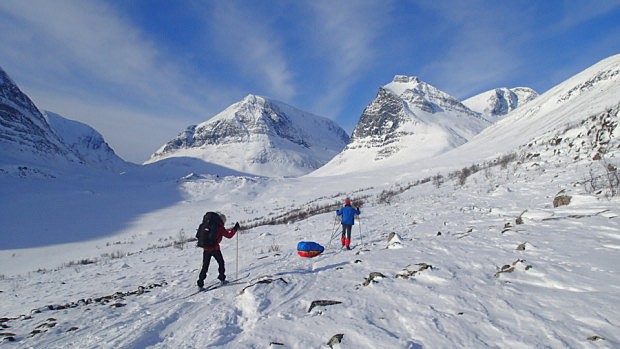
(348, 220)
(210, 233)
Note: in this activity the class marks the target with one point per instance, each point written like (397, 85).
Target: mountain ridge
(408, 119)
(27, 137)
(88, 144)
(261, 136)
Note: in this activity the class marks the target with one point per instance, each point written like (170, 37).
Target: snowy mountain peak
(260, 136)
(424, 96)
(402, 83)
(405, 79)
(408, 120)
(500, 101)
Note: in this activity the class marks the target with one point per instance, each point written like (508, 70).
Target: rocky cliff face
(408, 120)
(382, 119)
(26, 136)
(409, 115)
(498, 102)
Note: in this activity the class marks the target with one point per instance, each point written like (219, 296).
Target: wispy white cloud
(89, 40)
(256, 48)
(70, 54)
(344, 33)
(578, 12)
(480, 46)
(495, 43)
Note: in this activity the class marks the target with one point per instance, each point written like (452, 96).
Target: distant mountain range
(408, 120)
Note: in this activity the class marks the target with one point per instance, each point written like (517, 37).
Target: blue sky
(140, 71)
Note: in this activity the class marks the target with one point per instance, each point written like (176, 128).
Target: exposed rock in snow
(500, 101)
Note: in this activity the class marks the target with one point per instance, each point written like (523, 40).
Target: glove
(237, 226)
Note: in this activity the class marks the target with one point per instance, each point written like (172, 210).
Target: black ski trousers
(206, 260)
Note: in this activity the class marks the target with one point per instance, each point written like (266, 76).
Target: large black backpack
(207, 230)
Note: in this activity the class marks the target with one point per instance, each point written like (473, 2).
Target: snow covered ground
(452, 277)
(480, 255)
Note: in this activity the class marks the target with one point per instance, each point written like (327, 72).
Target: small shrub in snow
(274, 247)
(463, 174)
(181, 240)
(519, 219)
(84, 261)
(504, 160)
(438, 180)
(114, 255)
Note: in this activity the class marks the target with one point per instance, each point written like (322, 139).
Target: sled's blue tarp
(309, 249)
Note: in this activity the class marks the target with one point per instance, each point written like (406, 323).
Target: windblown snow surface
(452, 243)
(480, 256)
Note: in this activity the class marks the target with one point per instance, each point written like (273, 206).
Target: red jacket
(221, 232)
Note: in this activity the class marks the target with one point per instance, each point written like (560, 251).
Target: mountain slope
(85, 142)
(262, 137)
(498, 102)
(408, 120)
(26, 137)
(590, 92)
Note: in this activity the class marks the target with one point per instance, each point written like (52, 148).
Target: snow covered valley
(478, 259)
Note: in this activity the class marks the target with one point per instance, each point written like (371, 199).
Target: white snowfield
(480, 257)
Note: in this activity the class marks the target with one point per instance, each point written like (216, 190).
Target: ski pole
(334, 232)
(361, 240)
(237, 264)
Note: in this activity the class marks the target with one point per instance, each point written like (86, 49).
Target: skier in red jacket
(217, 222)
